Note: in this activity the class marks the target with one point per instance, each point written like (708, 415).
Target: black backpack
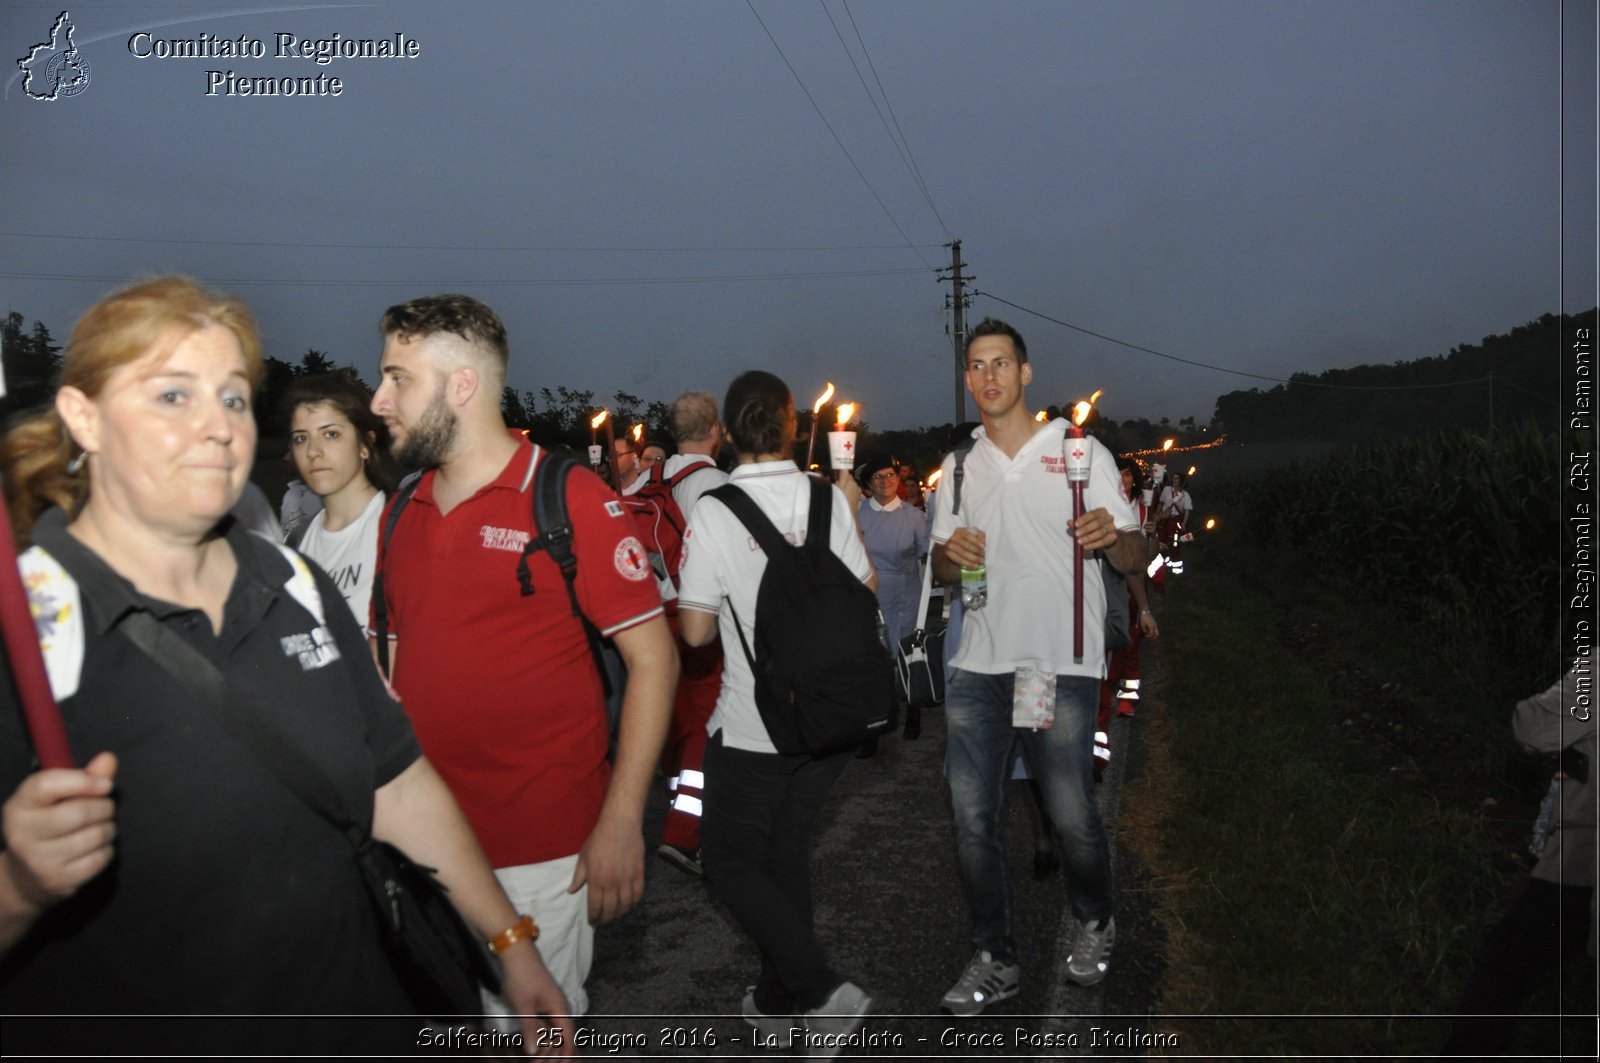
(1114, 583)
(823, 676)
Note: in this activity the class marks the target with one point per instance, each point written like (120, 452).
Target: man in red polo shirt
(501, 688)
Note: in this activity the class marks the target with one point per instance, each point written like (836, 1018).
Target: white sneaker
(829, 1024)
(1091, 953)
(775, 1031)
(985, 981)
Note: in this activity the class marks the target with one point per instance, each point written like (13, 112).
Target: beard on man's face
(429, 442)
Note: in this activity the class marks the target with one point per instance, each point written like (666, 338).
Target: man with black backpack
(1009, 526)
(494, 611)
(775, 564)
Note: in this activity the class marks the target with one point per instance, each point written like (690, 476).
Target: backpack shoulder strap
(959, 472)
(684, 473)
(550, 520)
(380, 604)
(819, 520)
(555, 538)
(758, 524)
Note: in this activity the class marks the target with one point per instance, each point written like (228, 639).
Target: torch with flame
(601, 418)
(933, 479)
(841, 441)
(1076, 455)
(816, 410)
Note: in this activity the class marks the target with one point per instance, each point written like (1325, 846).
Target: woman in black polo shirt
(175, 873)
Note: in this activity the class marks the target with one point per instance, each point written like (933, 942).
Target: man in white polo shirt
(1016, 657)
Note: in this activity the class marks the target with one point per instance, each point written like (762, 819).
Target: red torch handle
(1077, 574)
(27, 666)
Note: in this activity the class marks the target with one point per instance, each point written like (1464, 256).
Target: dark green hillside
(1496, 382)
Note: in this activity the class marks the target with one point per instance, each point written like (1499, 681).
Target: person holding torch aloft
(1016, 674)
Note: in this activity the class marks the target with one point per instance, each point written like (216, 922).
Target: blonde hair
(694, 416)
(129, 324)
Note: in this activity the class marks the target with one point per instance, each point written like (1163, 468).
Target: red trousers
(1120, 665)
(699, 684)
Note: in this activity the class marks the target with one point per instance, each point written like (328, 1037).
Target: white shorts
(566, 938)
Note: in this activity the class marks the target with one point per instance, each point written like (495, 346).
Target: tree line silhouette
(1501, 379)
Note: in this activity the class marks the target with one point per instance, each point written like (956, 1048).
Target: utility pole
(958, 301)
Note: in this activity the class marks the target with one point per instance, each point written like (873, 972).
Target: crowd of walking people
(438, 650)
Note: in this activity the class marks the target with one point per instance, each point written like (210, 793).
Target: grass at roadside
(1333, 812)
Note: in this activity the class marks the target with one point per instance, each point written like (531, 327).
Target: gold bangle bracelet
(522, 928)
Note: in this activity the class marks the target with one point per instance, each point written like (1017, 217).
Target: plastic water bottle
(975, 587)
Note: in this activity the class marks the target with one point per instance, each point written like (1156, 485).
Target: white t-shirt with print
(349, 555)
(1022, 505)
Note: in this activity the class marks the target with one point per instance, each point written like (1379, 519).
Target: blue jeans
(978, 764)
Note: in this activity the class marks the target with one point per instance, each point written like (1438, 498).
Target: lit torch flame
(822, 400)
(1083, 407)
(599, 419)
(934, 479)
(846, 411)
(1211, 523)
(638, 433)
(1191, 470)
(1166, 444)
(1041, 416)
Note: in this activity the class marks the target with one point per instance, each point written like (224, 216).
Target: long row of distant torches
(841, 441)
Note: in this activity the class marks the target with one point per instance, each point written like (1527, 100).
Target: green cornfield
(1463, 528)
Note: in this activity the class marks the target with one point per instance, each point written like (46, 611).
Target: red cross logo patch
(631, 559)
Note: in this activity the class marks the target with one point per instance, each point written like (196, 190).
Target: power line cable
(1224, 369)
(901, 151)
(432, 247)
(881, 205)
(1502, 382)
(916, 170)
(528, 282)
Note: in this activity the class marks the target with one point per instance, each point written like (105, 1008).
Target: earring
(75, 466)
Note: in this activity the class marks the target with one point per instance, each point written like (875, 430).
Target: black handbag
(919, 659)
(441, 962)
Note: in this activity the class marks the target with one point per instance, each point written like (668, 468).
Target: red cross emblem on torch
(841, 441)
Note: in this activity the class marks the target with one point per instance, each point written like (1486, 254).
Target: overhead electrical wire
(1224, 369)
(814, 106)
(434, 247)
(909, 154)
(902, 151)
(536, 282)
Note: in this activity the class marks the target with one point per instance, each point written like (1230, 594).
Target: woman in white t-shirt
(333, 436)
